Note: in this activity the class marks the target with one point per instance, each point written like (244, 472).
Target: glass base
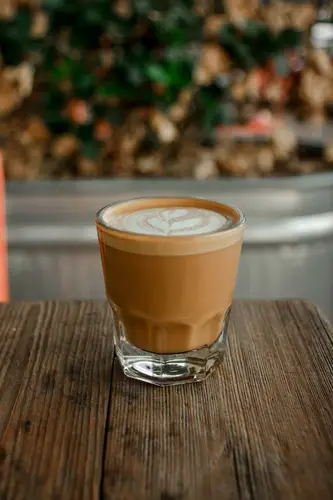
(170, 369)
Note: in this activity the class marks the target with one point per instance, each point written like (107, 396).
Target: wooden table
(73, 427)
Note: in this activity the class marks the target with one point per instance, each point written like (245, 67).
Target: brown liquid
(171, 294)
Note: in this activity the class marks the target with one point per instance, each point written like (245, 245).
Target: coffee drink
(170, 267)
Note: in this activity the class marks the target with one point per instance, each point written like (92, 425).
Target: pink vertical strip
(4, 291)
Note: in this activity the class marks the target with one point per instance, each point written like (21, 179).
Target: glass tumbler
(170, 289)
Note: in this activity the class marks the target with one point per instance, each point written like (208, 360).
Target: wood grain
(55, 377)
(259, 428)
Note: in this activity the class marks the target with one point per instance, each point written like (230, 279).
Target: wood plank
(55, 378)
(260, 428)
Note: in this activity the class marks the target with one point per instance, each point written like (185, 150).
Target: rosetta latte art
(169, 222)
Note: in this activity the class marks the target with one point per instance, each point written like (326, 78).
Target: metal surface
(288, 247)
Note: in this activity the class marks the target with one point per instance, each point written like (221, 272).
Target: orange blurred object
(4, 293)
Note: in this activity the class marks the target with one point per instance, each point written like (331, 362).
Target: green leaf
(164, 101)
(95, 13)
(62, 71)
(84, 82)
(248, 47)
(289, 38)
(226, 114)
(259, 41)
(244, 57)
(146, 7)
(228, 35)
(90, 148)
(116, 89)
(208, 122)
(54, 4)
(209, 95)
(119, 29)
(281, 64)
(215, 107)
(17, 31)
(136, 75)
(132, 66)
(252, 30)
(113, 114)
(178, 25)
(171, 71)
(22, 22)
(157, 73)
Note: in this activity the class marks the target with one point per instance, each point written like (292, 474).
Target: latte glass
(170, 267)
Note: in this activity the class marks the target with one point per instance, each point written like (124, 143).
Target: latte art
(176, 221)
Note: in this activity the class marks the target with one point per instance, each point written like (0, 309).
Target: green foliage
(152, 60)
(177, 26)
(254, 44)
(89, 146)
(52, 104)
(216, 107)
(15, 37)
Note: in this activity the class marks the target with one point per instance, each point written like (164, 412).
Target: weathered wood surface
(260, 429)
(73, 427)
(55, 376)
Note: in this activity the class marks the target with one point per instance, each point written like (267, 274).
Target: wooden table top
(73, 427)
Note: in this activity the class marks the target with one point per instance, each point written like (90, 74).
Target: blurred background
(103, 100)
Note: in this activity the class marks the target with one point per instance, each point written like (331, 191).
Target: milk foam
(175, 221)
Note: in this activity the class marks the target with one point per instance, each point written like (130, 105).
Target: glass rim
(241, 220)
